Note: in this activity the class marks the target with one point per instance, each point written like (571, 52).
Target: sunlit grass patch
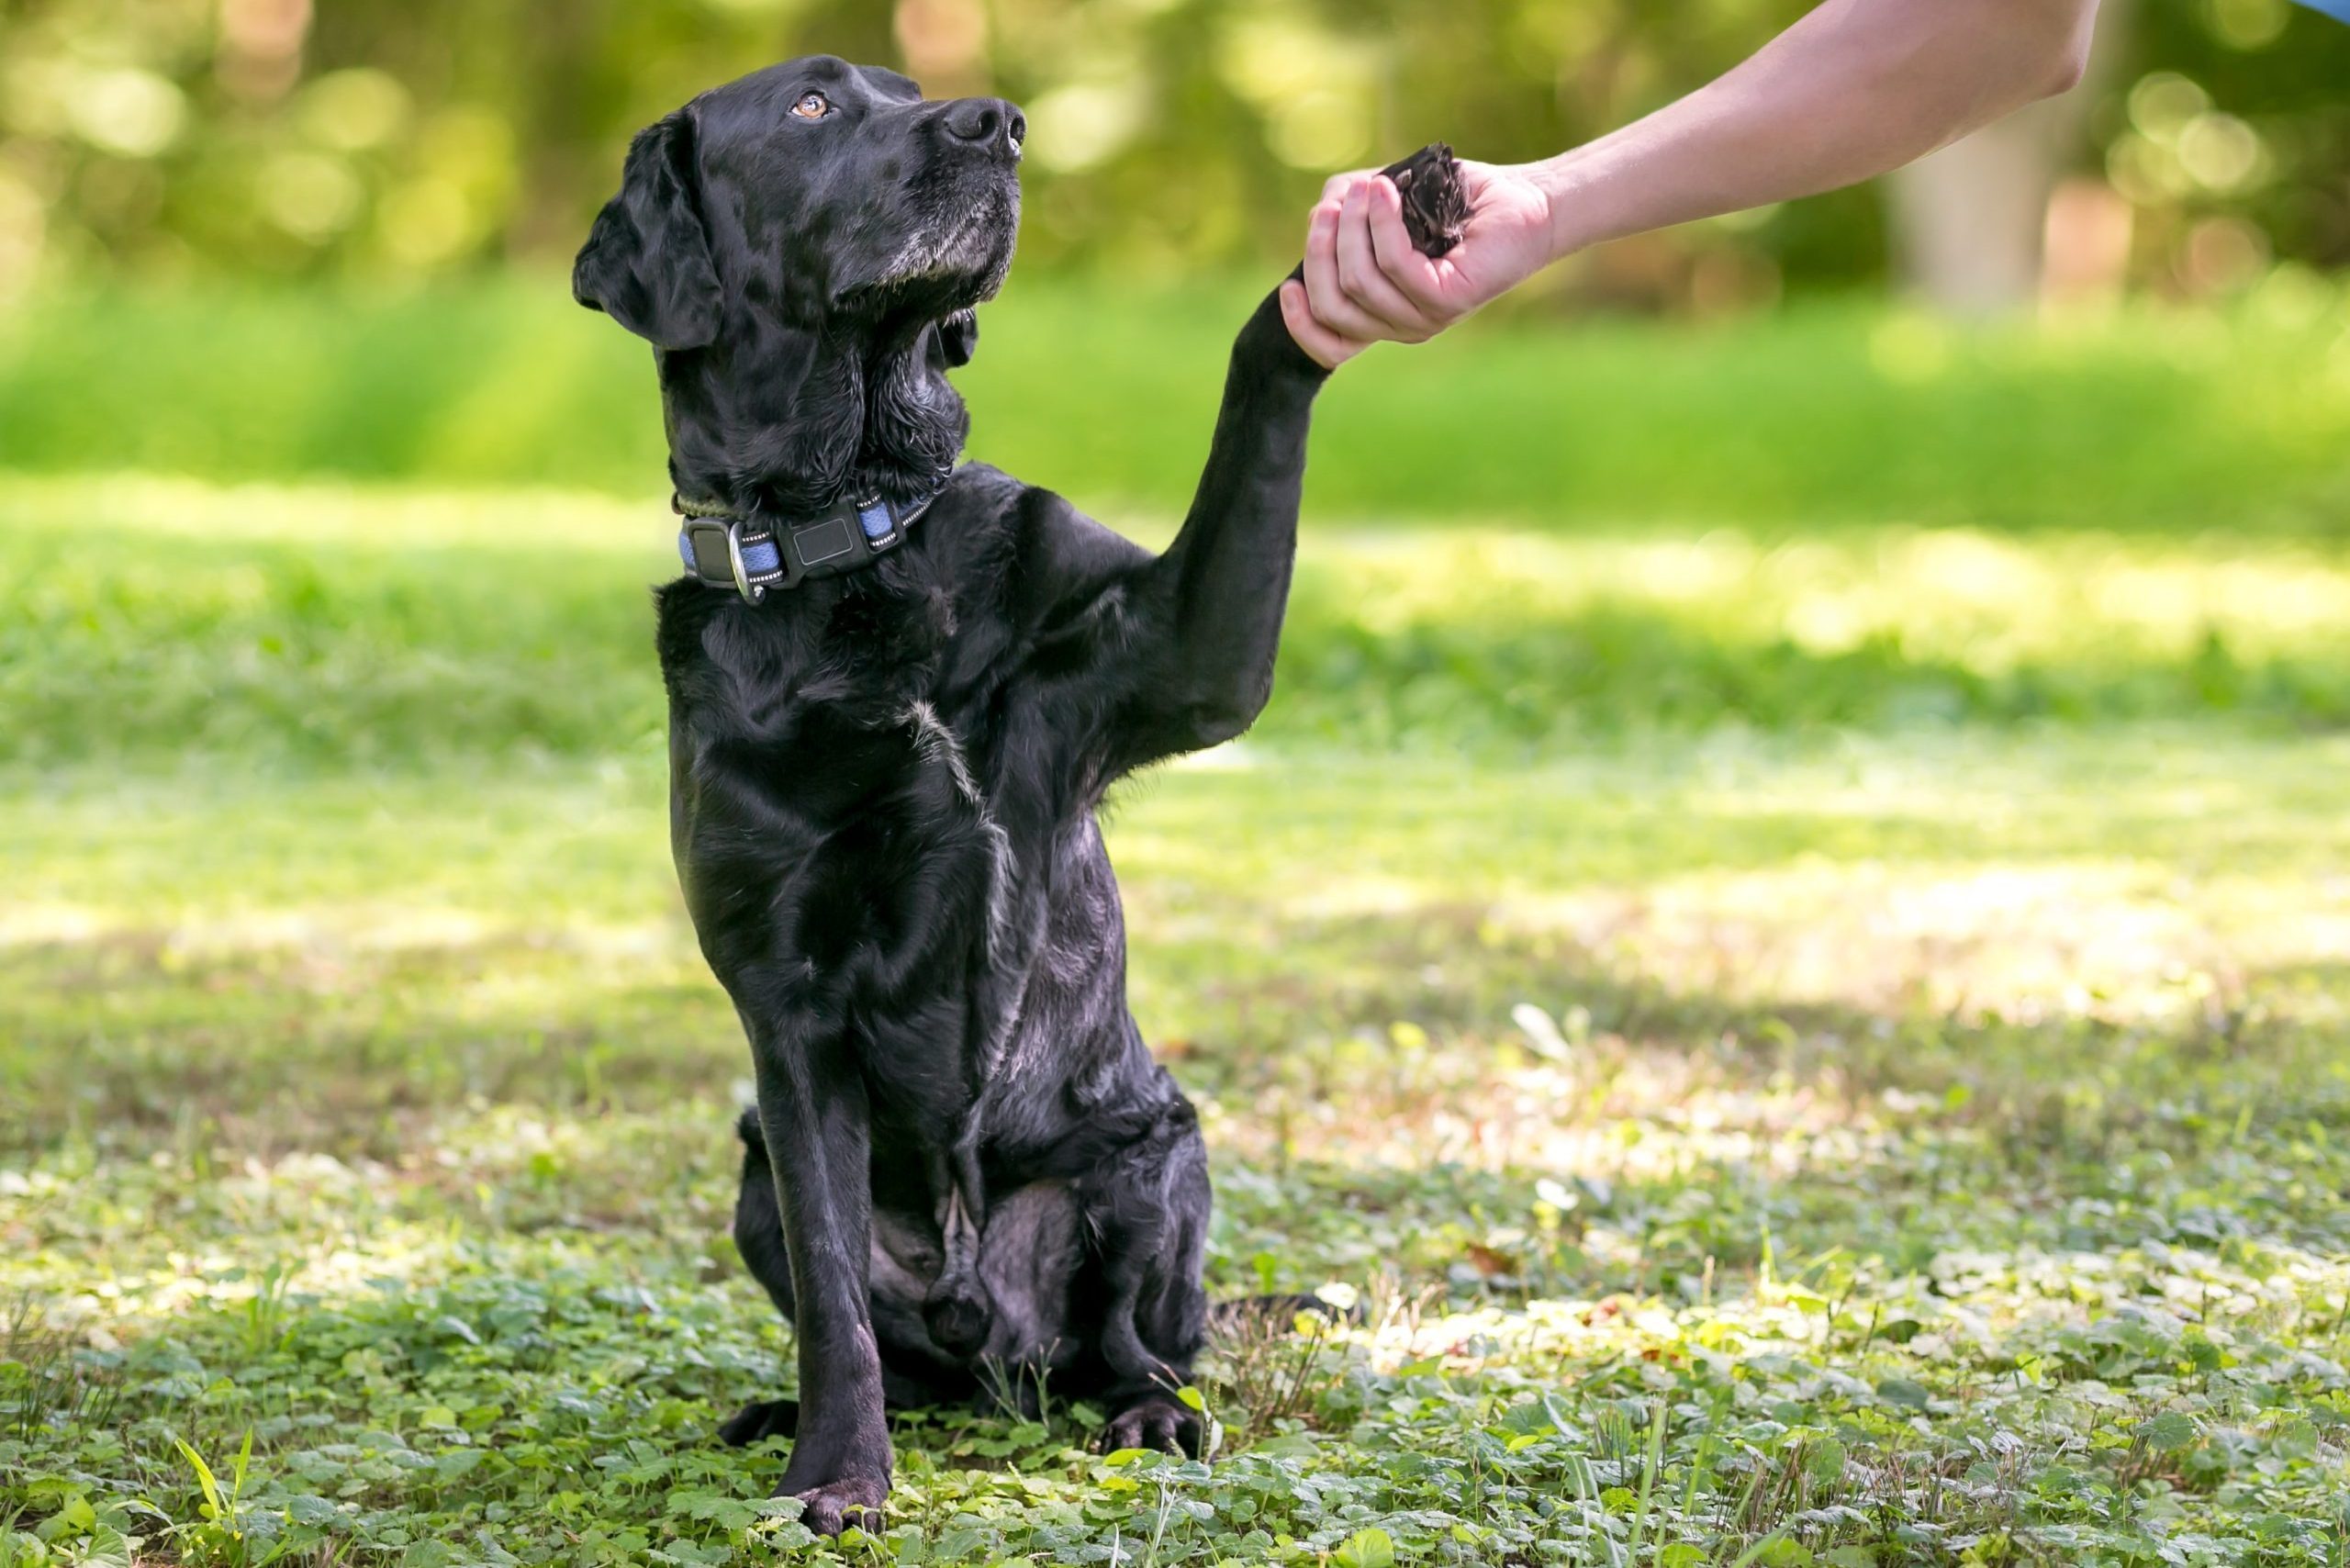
(1526, 640)
(324, 629)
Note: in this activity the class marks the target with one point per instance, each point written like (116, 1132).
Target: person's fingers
(1335, 187)
(1412, 274)
(1320, 271)
(1326, 348)
(1329, 297)
(1361, 273)
(1323, 346)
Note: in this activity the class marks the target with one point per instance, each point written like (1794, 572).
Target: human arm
(1855, 88)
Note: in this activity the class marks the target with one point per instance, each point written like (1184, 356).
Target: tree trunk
(1968, 221)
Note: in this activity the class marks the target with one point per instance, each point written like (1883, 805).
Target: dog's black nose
(987, 122)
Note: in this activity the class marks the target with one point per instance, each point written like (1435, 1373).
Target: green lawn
(1816, 1048)
(2149, 420)
(314, 627)
(1788, 935)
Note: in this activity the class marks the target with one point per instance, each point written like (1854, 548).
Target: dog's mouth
(956, 261)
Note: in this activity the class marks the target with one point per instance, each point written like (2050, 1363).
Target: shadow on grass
(1433, 1032)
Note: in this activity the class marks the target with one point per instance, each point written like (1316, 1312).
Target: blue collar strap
(726, 551)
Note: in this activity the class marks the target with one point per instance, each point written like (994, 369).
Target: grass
(306, 628)
(1788, 937)
(2144, 421)
(1813, 1048)
(1902, 1152)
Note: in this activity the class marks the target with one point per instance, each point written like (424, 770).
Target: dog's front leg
(1209, 610)
(1206, 616)
(814, 1116)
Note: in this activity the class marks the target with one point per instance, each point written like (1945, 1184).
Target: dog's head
(812, 194)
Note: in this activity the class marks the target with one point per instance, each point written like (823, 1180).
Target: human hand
(1366, 282)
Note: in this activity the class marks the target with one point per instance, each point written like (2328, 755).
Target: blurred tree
(399, 138)
(1970, 223)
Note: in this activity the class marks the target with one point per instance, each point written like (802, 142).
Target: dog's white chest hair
(940, 747)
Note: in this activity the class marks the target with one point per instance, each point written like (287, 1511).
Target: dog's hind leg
(1029, 1260)
(758, 1236)
(1146, 1209)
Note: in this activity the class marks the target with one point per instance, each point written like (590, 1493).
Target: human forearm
(1855, 89)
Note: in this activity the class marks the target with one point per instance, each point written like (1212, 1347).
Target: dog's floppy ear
(958, 335)
(647, 263)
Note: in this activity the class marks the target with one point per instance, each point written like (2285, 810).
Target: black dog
(890, 729)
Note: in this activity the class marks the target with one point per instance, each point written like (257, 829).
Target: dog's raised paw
(1436, 205)
(1156, 1422)
(836, 1504)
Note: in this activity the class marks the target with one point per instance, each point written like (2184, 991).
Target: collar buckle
(712, 548)
(752, 592)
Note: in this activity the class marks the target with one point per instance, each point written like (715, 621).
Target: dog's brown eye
(812, 105)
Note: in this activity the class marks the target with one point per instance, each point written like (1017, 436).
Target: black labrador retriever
(897, 689)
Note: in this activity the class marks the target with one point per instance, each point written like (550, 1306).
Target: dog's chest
(856, 791)
(1002, 1046)
(898, 814)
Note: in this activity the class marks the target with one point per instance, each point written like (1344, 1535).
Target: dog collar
(724, 550)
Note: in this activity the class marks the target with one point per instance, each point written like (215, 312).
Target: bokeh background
(1788, 929)
(145, 140)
